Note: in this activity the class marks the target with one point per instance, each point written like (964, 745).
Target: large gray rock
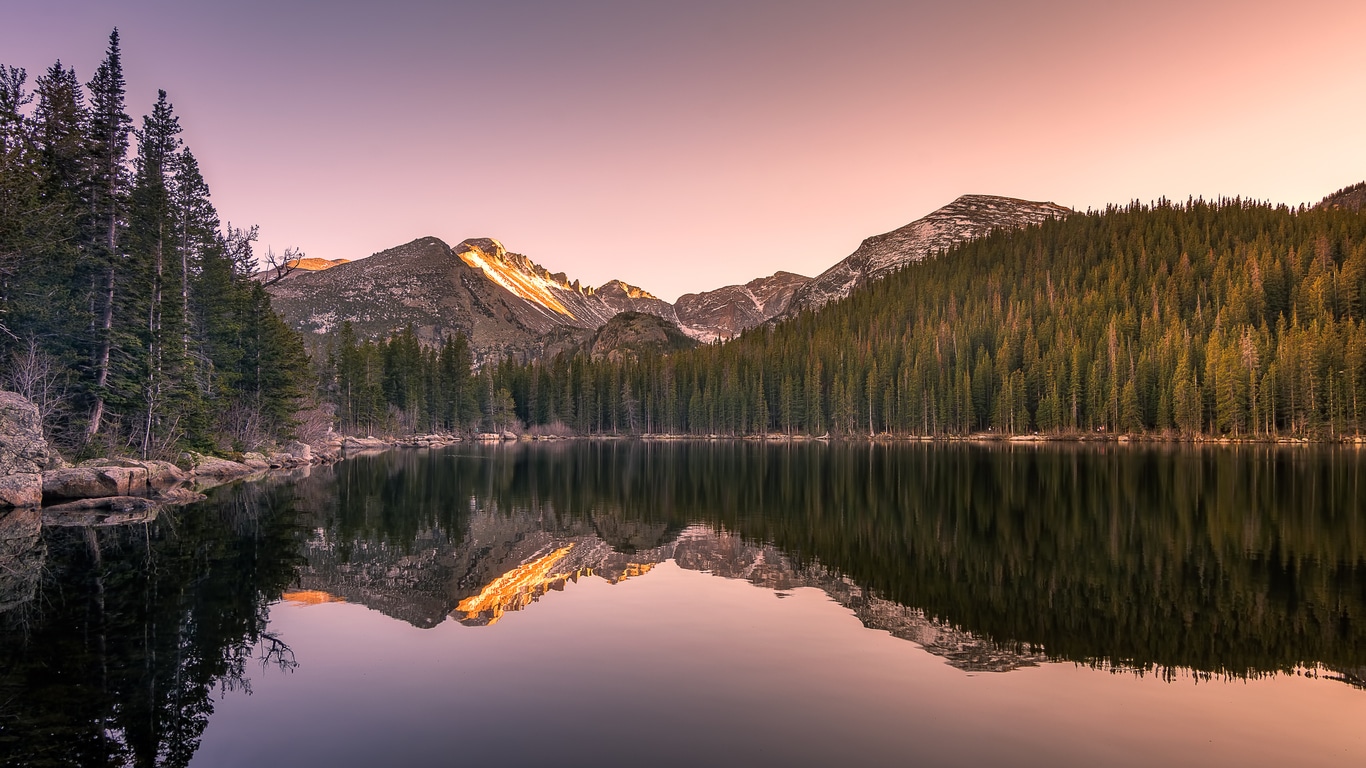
(22, 445)
(21, 489)
(365, 444)
(93, 482)
(255, 460)
(160, 474)
(301, 451)
(211, 466)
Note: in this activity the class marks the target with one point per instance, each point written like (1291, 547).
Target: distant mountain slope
(505, 303)
(725, 312)
(967, 218)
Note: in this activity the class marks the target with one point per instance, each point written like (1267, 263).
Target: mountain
(506, 304)
(967, 218)
(510, 306)
(725, 312)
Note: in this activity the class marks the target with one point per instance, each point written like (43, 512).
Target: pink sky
(681, 147)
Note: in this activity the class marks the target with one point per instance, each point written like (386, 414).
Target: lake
(709, 603)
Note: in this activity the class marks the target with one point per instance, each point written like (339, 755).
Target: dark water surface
(708, 604)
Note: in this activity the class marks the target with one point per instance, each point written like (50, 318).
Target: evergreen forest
(127, 312)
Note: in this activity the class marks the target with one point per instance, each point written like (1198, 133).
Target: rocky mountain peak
(623, 290)
(967, 218)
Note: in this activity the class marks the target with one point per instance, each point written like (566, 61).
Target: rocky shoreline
(119, 490)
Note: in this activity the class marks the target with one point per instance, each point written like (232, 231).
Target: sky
(685, 146)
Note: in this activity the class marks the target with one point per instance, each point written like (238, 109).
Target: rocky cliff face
(967, 218)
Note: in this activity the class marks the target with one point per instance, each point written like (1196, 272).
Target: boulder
(301, 451)
(22, 445)
(255, 460)
(199, 464)
(160, 474)
(93, 482)
(21, 489)
(364, 444)
(163, 474)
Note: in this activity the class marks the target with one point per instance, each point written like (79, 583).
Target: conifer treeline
(397, 385)
(1228, 318)
(128, 312)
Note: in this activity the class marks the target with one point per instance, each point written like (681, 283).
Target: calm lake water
(709, 604)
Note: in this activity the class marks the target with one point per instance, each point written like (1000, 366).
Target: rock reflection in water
(509, 561)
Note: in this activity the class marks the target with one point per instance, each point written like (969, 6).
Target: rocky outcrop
(93, 483)
(24, 452)
(21, 489)
(630, 334)
(351, 443)
(160, 474)
(212, 466)
(23, 448)
(1351, 198)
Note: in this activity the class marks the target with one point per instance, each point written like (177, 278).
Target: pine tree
(108, 142)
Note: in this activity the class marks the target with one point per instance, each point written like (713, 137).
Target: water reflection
(1228, 562)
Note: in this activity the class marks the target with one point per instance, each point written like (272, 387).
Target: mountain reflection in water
(1233, 562)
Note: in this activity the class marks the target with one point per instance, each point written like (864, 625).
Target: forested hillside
(1228, 318)
(126, 308)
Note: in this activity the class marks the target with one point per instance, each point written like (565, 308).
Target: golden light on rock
(533, 288)
(310, 597)
(525, 584)
(515, 589)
